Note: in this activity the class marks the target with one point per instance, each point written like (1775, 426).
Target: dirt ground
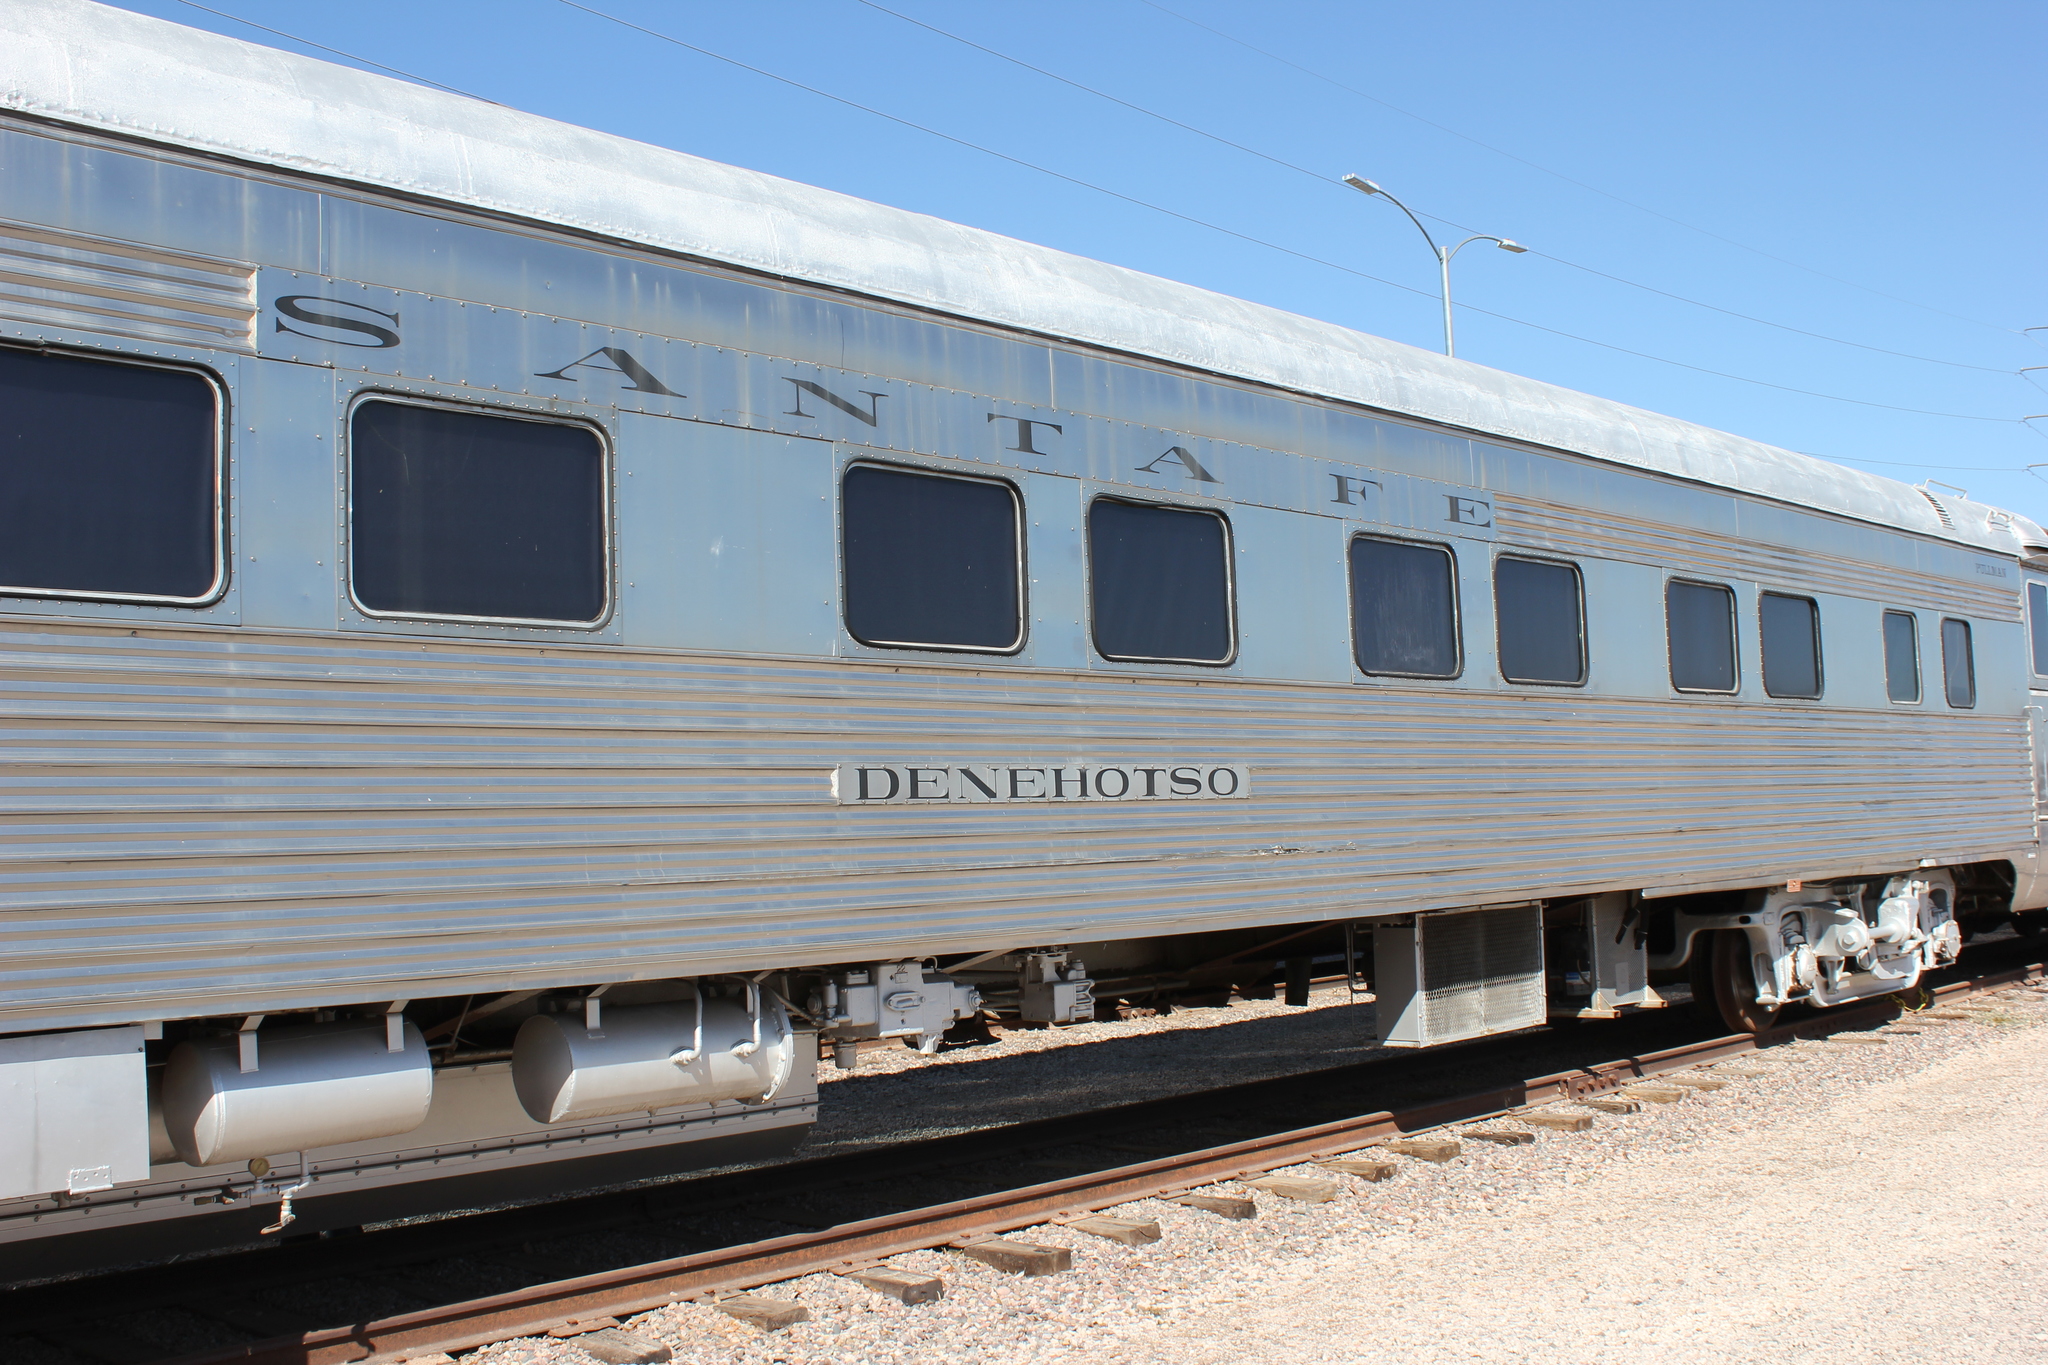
(1908, 1221)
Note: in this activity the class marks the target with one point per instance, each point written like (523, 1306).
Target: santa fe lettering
(905, 784)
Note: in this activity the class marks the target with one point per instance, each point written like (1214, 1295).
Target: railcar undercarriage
(223, 1130)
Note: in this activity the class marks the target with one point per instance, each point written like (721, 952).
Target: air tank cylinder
(315, 1085)
(646, 1057)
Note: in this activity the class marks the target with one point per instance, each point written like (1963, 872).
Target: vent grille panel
(61, 280)
(1481, 973)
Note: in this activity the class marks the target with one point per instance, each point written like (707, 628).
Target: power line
(307, 42)
(1766, 322)
(1922, 464)
(1100, 189)
(1242, 236)
(990, 151)
(1594, 189)
(1326, 180)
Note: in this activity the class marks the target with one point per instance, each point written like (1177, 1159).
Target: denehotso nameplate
(904, 783)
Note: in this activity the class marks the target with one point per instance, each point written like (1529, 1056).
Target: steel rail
(655, 1284)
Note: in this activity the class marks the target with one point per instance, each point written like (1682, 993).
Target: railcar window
(1404, 609)
(465, 515)
(1791, 638)
(1159, 583)
(1540, 613)
(1901, 656)
(1699, 625)
(2037, 625)
(109, 480)
(1958, 669)
(930, 561)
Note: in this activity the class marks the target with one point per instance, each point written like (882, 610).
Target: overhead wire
(1245, 236)
(1322, 179)
(335, 51)
(1100, 189)
(1560, 175)
(988, 151)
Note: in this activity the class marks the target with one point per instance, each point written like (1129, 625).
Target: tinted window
(1958, 669)
(108, 482)
(1699, 622)
(930, 561)
(1536, 604)
(1791, 638)
(1901, 657)
(460, 514)
(2037, 625)
(1404, 609)
(1159, 582)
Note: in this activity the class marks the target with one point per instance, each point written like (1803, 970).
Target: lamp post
(1443, 256)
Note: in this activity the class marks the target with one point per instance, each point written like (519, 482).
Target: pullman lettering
(298, 307)
(903, 784)
(1021, 428)
(1354, 491)
(1190, 467)
(621, 362)
(804, 386)
(1469, 511)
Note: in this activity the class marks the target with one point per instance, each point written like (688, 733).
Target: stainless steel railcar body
(282, 800)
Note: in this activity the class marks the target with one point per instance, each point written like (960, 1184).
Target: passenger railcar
(511, 637)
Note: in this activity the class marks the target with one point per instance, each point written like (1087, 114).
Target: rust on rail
(655, 1284)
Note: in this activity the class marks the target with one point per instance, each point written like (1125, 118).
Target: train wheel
(1735, 984)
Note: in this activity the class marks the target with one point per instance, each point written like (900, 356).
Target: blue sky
(1871, 173)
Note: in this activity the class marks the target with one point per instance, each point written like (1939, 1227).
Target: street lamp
(1443, 257)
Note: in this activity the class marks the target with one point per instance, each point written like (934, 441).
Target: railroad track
(829, 1207)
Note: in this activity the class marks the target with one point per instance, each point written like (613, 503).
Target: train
(515, 643)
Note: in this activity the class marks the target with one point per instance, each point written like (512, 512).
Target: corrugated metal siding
(60, 279)
(1602, 532)
(218, 822)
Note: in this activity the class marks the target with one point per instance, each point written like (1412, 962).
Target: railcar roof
(115, 71)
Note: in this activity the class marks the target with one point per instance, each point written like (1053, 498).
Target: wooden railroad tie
(1558, 1122)
(1855, 1040)
(1222, 1205)
(1424, 1149)
(1613, 1106)
(1694, 1080)
(1654, 1094)
(576, 1327)
(901, 1285)
(602, 1338)
(1018, 1258)
(758, 1310)
(1501, 1137)
(615, 1347)
(1307, 1189)
(1364, 1170)
(1124, 1231)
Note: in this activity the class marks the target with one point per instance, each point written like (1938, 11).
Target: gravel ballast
(1875, 1201)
